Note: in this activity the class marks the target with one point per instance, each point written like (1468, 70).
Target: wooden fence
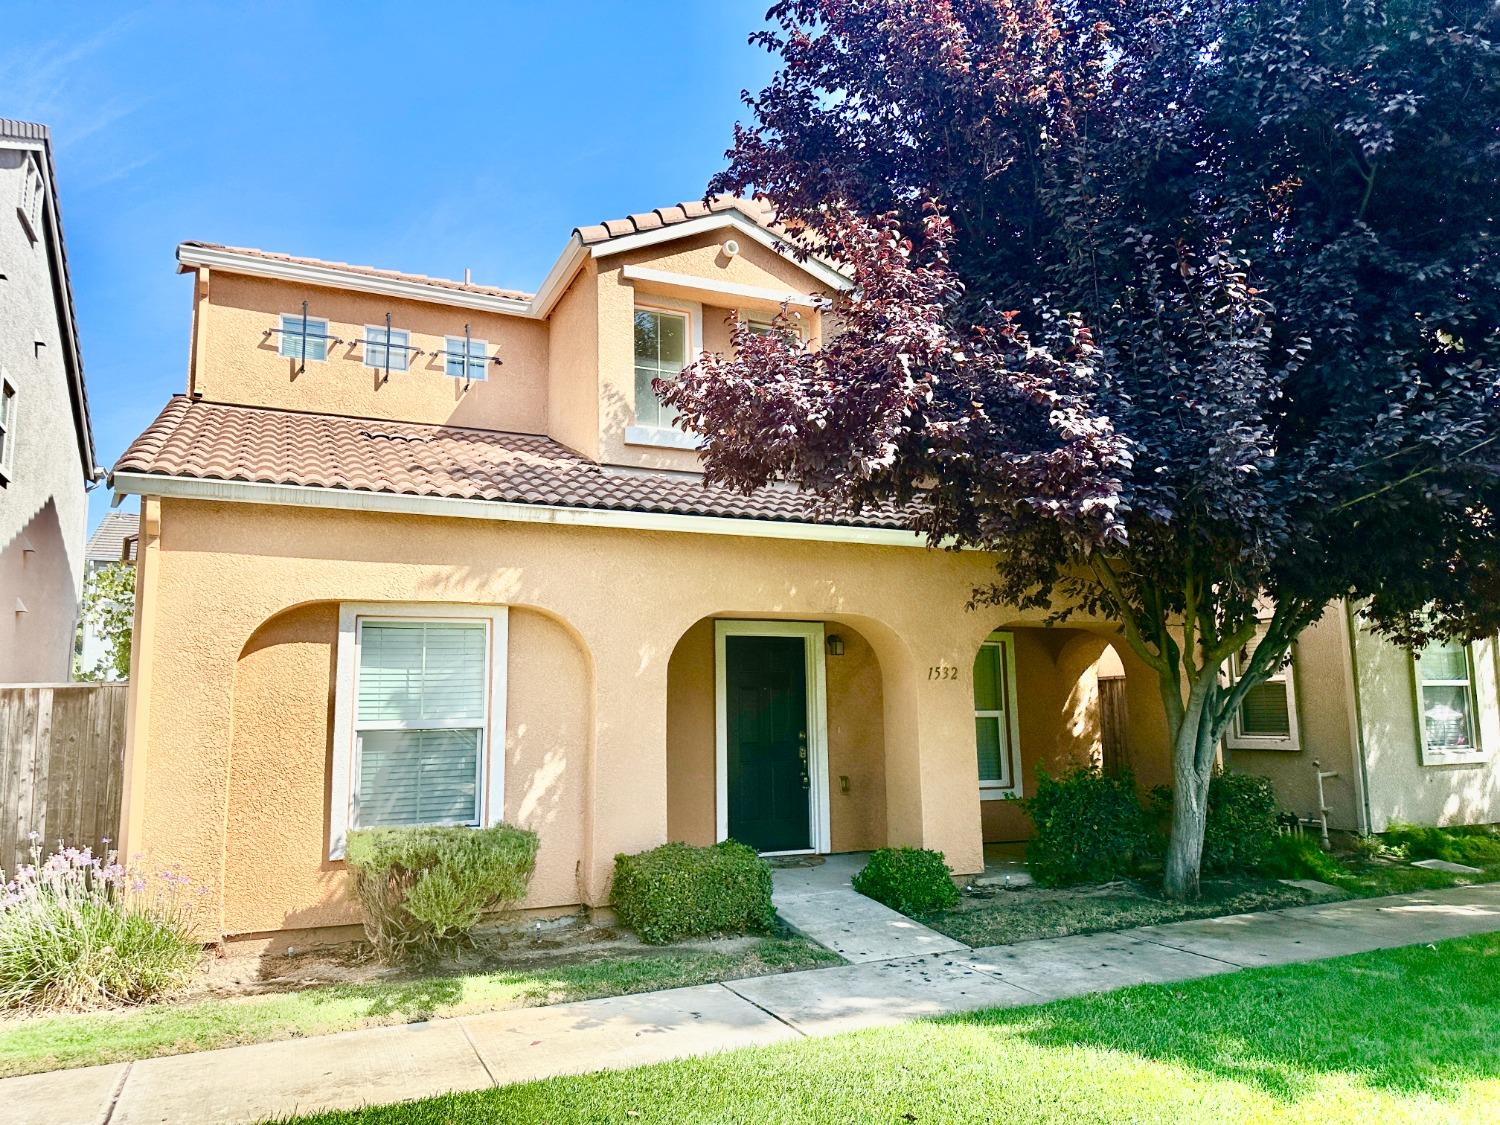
(62, 766)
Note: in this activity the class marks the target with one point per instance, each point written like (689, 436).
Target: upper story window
(466, 359)
(304, 337)
(661, 350)
(386, 348)
(1267, 718)
(1446, 703)
(33, 192)
(7, 430)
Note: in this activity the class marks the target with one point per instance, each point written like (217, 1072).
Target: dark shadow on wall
(36, 644)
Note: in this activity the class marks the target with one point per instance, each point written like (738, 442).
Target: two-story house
(423, 551)
(46, 448)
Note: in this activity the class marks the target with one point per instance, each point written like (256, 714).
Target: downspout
(1357, 721)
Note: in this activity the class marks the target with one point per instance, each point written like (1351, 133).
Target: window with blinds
(1267, 717)
(421, 702)
(299, 342)
(993, 719)
(1445, 682)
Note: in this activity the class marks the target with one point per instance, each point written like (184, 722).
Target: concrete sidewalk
(382, 1065)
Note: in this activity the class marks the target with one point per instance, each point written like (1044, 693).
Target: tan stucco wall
(572, 359)
(1320, 675)
(235, 357)
(700, 256)
(1401, 788)
(281, 755)
(856, 743)
(230, 710)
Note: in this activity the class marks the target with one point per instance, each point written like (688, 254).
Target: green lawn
(1400, 1035)
(41, 1043)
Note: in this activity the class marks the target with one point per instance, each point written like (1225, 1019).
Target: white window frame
(346, 696)
(1286, 676)
(470, 372)
(816, 670)
(375, 338)
(1443, 756)
(8, 405)
(316, 326)
(999, 790)
(668, 437)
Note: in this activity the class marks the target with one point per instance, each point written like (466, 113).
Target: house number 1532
(942, 672)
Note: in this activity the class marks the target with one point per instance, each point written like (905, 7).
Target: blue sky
(422, 137)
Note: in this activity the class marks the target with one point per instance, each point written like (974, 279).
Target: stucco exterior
(45, 473)
(611, 735)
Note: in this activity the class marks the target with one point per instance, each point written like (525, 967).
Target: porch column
(932, 781)
(627, 784)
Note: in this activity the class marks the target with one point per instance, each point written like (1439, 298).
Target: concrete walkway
(819, 902)
(382, 1065)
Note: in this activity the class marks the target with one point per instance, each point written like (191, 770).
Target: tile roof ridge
(360, 268)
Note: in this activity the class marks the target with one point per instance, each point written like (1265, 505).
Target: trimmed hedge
(1090, 828)
(424, 889)
(678, 891)
(910, 880)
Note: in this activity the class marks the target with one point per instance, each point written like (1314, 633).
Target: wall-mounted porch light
(835, 645)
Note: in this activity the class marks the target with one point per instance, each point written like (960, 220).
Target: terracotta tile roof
(213, 441)
(756, 209)
(369, 271)
(115, 539)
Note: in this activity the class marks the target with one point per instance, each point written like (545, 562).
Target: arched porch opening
(735, 712)
(1054, 699)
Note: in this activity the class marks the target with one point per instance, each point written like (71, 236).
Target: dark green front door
(765, 695)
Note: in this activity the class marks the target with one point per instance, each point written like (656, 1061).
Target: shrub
(425, 889)
(911, 880)
(80, 931)
(1241, 825)
(678, 891)
(1475, 845)
(1300, 857)
(1089, 828)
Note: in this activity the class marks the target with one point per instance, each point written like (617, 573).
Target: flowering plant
(78, 930)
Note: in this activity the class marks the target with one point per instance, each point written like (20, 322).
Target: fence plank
(62, 753)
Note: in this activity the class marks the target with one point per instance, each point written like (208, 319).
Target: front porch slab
(820, 903)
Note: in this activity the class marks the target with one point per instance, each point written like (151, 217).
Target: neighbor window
(1445, 698)
(466, 360)
(385, 348)
(995, 728)
(1267, 717)
(33, 189)
(304, 339)
(661, 351)
(7, 429)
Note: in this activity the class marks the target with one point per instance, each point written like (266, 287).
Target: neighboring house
(423, 551)
(114, 541)
(46, 450)
(1412, 738)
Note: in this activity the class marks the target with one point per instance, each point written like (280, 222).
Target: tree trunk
(1193, 754)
